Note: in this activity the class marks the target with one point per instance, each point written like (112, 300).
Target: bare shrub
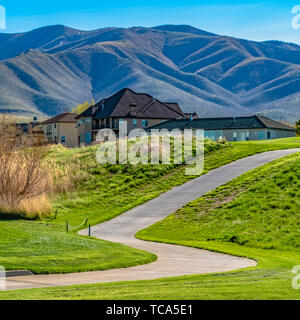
(23, 178)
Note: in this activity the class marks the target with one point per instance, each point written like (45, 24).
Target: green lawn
(101, 193)
(45, 248)
(256, 216)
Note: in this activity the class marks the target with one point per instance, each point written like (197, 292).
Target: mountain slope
(51, 69)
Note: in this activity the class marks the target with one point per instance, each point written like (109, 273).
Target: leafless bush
(22, 174)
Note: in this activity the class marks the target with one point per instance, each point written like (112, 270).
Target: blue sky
(255, 20)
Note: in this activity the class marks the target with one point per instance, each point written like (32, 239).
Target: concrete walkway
(172, 260)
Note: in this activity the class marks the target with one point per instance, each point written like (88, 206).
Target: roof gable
(64, 117)
(272, 124)
(119, 106)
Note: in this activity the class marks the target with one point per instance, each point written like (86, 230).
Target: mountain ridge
(49, 70)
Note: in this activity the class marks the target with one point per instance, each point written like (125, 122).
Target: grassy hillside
(255, 216)
(258, 210)
(94, 192)
(103, 192)
(99, 193)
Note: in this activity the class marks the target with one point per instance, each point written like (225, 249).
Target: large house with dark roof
(233, 128)
(140, 110)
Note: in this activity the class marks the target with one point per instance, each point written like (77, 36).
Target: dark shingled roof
(64, 117)
(174, 105)
(269, 123)
(253, 122)
(118, 106)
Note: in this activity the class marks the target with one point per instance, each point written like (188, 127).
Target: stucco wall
(68, 130)
(60, 129)
(250, 134)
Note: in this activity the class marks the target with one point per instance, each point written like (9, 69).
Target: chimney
(133, 111)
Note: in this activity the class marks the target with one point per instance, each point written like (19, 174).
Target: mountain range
(51, 69)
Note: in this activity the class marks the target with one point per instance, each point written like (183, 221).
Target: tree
(22, 174)
(82, 107)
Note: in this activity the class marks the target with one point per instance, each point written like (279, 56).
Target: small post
(89, 230)
(55, 214)
(67, 226)
(86, 221)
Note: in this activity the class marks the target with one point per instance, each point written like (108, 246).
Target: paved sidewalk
(172, 260)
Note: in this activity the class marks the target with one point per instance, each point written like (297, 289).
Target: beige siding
(54, 133)
(69, 131)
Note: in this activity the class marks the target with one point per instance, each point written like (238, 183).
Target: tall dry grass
(24, 180)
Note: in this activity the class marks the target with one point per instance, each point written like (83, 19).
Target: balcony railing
(99, 127)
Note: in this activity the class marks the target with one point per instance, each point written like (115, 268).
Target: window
(114, 124)
(54, 125)
(134, 122)
(49, 131)
(121, 123)
(63, 139)
(88, 121)
(145, 123)
(268, 135)
(235, 136)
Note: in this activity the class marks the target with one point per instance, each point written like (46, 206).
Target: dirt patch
(219, 202)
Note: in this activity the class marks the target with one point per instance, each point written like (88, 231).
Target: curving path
(172, 260)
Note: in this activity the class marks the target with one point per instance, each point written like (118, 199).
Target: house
(233, 128)
(61, 129)
(140, 110)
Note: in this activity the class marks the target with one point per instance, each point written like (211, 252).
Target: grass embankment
(101, 193)
(256, 215)
(90, 191)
